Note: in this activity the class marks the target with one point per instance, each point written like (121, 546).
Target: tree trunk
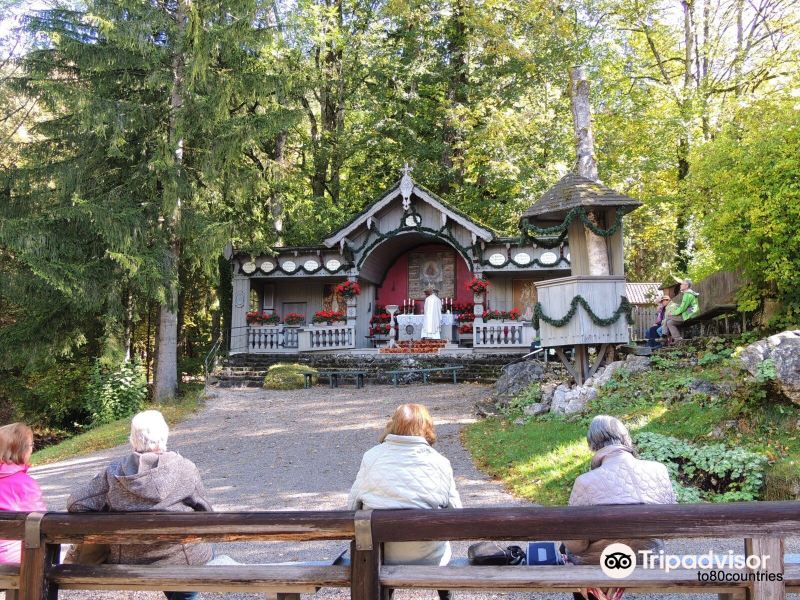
(586, 165)
(166, 376)
(452, 136)
(127, 341)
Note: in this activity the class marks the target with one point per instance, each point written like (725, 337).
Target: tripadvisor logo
(618, 561)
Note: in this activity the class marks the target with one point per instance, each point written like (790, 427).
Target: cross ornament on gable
(406, 186)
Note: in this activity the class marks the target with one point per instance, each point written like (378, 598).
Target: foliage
(562, 227)
(531, 395)
(262, 318)
(348, 289)
(705, 472)
(624, 308)
(116, 433)
(541, 458)
(510, 315)
(294, 318)
(285, 376)
(328, 316)
(115, 393)
(748, 201)
(50, 396)
(478, 285)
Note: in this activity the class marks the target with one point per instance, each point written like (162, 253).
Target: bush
(286, 376)
(783, 481)
(50, 397)
(115, 394)
(713, 472)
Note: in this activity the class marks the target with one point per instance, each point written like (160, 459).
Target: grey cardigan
(147, 482)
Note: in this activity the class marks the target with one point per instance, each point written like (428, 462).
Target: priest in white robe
(432, 316)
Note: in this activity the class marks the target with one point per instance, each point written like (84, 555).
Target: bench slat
(566, 578)
(255, 578)
(147, 528)
(9, 577)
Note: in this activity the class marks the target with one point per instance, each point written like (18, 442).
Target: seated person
(656, 331)
(18, 490)
(404, 471)
(150, 478)
(617, 477)
(688, 307)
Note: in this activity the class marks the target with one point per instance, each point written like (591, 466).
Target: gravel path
(300, 450)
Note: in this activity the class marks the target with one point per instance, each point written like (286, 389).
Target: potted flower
(327, 317)
(262, 318)
(494, 315)
(294, 319)
(513, 315)
(478, 286)
(348, 289)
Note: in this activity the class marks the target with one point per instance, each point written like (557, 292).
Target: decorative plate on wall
(548, 258)
(333, 264)
(249, 267)
(413, 220)
(497, 259)
(522, 258)
(289, 266)
(267, 266)
(311, 265)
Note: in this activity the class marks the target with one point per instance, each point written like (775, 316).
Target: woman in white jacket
(404, 471)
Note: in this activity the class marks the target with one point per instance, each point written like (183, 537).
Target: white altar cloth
(409, 327)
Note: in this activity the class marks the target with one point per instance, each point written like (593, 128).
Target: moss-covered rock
(783, 481)
(286, 376)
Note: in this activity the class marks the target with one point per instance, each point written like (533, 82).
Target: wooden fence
(762, 525)
(643, 319)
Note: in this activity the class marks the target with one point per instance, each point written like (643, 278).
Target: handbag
(544, 553)
(87, 554)
(492, 553)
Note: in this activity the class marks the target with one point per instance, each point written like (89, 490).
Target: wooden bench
(333, 376)
(425, 373)
(761, 524)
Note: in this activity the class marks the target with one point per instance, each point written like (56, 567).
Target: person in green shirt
(688, 307)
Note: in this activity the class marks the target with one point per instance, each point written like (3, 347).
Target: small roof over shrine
(572, 191)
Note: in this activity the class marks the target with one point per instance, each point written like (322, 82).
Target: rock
(534, 410)
(783, 349)
(559, 398)
(516, 378)
(548, 390)
(609, 370)
(519, 421)
(578, 398)
(698, 386)
(720, 432)
(636, 364)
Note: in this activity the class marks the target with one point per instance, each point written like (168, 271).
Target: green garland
(578, 211)
(624, 308)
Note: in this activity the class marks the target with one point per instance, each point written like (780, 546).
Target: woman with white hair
(617, 477)
(150, 478)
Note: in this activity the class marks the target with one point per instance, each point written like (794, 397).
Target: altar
(409, 327)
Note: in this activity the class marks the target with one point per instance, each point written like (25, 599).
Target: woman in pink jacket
(18, 490)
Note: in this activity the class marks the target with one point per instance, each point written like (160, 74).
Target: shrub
(115, 394)
(713, 472)
(531, 395)
(52, 396)
(783, 481)
(286, 376)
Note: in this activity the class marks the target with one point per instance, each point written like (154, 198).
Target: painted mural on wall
(431, 270)
(525, 297)
(331, 300)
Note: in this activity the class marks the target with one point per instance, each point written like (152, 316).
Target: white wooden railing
(271, 338)
(505, 334)
(327, 337)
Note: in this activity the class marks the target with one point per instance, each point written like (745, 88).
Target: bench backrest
(764, 523)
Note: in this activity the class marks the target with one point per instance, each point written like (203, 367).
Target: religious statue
(432, 319)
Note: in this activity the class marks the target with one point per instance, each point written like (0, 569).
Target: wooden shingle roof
(573, 190)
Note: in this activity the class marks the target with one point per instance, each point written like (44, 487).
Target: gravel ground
(265, 450)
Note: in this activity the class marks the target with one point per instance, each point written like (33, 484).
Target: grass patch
(540, 459)
(286, 376)
(117, 432)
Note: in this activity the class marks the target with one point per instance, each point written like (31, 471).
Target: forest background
(138, 138)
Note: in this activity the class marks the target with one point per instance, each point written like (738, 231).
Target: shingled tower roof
(573, 190)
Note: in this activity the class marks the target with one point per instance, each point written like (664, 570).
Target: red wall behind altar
(395, 285)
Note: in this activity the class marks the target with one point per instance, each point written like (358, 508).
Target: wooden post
(773, 548)
(365, 581)
(37, 556)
